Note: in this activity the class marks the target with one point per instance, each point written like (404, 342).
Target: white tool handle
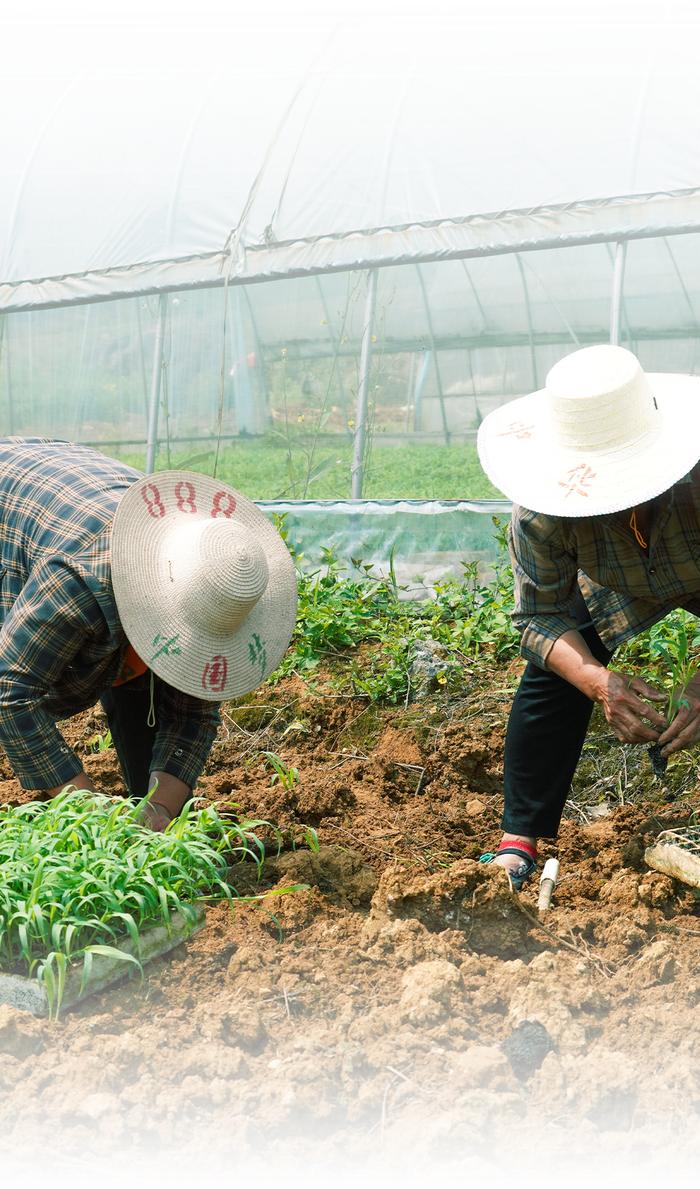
(550, 871)
(548, 879)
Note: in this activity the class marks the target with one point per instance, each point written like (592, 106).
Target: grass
(269, 469)
(81, 871)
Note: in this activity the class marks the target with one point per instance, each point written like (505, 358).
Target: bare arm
(621, 696)
(81, 780)
(171, 791)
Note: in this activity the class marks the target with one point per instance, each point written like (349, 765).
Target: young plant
(98, 743)
(664, 656)
(681, 668)
(80, 872)
(283, 775)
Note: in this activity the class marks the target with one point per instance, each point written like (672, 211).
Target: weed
(283, 775)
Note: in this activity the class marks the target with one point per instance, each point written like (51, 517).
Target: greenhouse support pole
(363, 389)
(436, 357)
(617, 286)
(5, 343)
(530, 328)
(420, 388)
(156, 381)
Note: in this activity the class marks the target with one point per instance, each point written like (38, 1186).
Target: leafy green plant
(663, 656)
(80, 872)
(359, 619)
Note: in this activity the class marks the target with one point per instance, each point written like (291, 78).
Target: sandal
(520, 874)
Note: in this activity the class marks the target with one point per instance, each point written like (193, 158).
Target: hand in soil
(625, 702)
(659, 762)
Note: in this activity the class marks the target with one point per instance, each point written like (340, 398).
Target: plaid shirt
(61, 642)
(625, 588)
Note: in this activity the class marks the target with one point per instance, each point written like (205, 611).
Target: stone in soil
(526, 1048)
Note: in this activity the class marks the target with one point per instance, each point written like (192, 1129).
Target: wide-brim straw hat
(205, 587)
(601, 436)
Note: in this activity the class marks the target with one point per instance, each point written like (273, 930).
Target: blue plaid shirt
(61, 641)
(626, 589)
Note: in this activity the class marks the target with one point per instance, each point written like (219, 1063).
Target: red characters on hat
(185, 493)
(578, 479)
(185, 496)
(223, 504)
(214, 674)
(151, 497)
(517, 429)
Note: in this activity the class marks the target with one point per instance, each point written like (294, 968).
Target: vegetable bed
(87, 890)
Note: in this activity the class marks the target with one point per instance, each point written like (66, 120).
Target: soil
(406, 1003)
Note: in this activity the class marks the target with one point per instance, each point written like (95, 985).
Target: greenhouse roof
(152, 158)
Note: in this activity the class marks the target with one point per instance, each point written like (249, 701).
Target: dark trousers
(127, 708)
(546, 732)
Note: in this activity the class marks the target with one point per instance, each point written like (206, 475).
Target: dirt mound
(467, 896)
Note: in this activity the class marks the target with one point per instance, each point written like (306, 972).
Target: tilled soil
(406, 1003)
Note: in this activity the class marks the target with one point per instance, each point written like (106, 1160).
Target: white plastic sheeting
(165, 157)
(191, 207)
(420, 541)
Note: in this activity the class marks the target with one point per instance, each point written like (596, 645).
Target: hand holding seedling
(684, 711)
(625, 703)
(624, 698)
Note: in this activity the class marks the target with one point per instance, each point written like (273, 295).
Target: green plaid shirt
(625, 589)
(61, 642)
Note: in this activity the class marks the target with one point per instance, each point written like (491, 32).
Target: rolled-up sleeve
(187, 728)
(545, 572)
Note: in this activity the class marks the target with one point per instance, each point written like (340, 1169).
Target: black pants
(127, 708)
(546, 732)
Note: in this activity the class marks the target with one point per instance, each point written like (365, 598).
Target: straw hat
(601, 436)
(204, 584)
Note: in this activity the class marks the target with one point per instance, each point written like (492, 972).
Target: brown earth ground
(406, 1002)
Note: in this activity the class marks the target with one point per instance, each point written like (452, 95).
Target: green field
(265, 470)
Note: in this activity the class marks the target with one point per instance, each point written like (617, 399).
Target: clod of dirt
(337, 872)
(20, 1034)
(526, 1048)
(466, 896)
(431, 991)
(656, 965)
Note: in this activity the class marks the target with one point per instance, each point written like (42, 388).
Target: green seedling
(666, 654)
(283, 775)
(81, 871)
(98, 743)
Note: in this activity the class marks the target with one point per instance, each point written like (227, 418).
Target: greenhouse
(349, 810)
(320, 301)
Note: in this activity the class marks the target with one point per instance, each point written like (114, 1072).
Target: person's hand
(625, 702)
(154, 815)
(684, 729)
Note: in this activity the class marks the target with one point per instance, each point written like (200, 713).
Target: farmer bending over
(605, 541)
(160, 596)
